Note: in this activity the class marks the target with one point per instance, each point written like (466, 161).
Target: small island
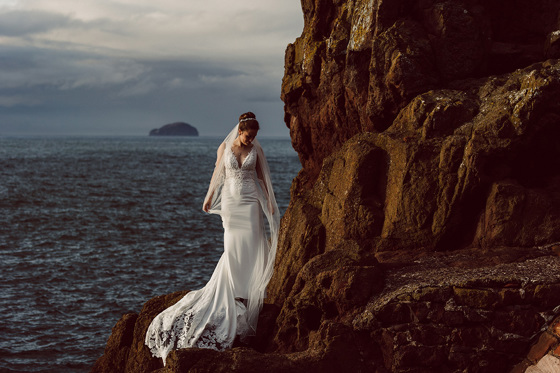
(175, 129)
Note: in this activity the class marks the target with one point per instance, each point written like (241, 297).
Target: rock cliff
(423, 230)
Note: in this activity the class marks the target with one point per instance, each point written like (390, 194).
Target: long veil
(266, 256)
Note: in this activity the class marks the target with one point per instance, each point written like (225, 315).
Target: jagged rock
(329, 288)
(422, 127)
(444, 311)
(458, 168)
(116, 352)
(358, 63)
(239, 359)
(133, 356)
(175, 129)
(552, 45)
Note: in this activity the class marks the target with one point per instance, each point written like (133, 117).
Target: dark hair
(250, 122)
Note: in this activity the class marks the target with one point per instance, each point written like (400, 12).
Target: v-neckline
(240, 164)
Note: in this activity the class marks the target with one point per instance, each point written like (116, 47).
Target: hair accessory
(246, 119)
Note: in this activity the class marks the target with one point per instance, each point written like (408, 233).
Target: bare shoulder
(221, 149)
(220, 153)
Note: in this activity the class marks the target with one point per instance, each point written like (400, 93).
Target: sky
(124, 67)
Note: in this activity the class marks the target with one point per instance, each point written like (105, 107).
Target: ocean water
(91, 228)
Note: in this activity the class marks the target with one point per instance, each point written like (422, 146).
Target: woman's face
(246, 137)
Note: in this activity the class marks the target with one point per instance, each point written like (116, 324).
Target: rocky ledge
(175, 129)
(422, 233)
(444, 311)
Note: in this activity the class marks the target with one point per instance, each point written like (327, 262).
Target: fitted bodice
(240, 178)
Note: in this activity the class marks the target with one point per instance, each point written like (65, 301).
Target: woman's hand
(208, 202)
(207, 205)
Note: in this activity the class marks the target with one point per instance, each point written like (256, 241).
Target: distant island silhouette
(175, 129)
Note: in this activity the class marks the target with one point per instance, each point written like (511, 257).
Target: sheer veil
(267, 254)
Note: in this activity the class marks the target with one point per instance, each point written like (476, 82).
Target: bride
(228, 305)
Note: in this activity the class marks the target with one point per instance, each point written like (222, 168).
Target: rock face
(423, 231)
(443, 117)
(358, 63)
(125, 350)
(472, 165)
(175, 129)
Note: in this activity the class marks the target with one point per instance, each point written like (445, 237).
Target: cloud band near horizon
(123, 67)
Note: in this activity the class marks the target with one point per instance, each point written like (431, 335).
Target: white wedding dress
(212, 317)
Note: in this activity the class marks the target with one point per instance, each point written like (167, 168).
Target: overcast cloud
(123, 67)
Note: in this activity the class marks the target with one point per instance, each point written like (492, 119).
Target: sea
(93, 227)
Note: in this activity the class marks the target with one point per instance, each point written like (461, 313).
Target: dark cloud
(21, 23)
(103, 68)
(73, 91)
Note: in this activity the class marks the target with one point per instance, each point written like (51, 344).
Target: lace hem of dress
(214, 335)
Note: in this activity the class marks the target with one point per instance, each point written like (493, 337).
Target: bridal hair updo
(248, 121)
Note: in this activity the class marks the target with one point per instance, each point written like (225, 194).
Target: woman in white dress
(228, 305)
